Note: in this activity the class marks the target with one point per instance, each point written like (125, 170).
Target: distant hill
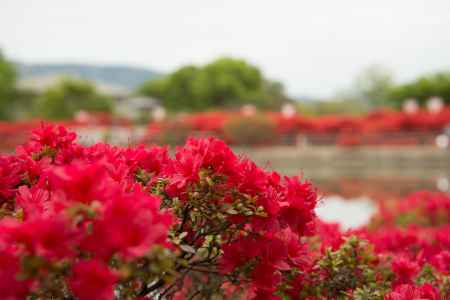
(115, 75)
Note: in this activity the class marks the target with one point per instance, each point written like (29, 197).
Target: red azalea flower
(238, 253)
(34, 202)
(411, 292)
(33, 170)
(298, 209)
(92, 279)
(441, 261)
(404, 270)
(273, 250)
(251, 179)
(81, 181)
(11, 287)
(10, 176)
(209, 154)
(51, 238)
(130, 223)
(265, 277)
(53, 136)
(155, 160)
(330, 235)
(262, 294)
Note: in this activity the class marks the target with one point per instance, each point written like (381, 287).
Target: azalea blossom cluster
(403, 253)
(69, 212)
(105, 222)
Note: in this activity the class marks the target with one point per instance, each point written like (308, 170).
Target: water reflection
(349, 214)
(355, 173)
(351, 183)
(343, 207)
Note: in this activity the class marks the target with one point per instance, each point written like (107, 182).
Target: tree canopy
(63, 100)
(8, 78)
(373, 84)
(225, 82)
(422, 88)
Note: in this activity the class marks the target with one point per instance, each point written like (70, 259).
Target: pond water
(350, 188)
(349, 214)
(351, 201)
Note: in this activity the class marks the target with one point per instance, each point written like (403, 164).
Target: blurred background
(353, 95)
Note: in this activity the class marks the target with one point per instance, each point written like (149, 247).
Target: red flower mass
(105, 222)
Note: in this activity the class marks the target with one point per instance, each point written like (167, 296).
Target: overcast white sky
(315, 47)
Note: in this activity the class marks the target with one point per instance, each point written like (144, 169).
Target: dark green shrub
(254, 130)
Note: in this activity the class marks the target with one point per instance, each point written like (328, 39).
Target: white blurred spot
(158, 114)
(435, 105)
(288, 110)
(443, 184)
(82, 116)
(349, 213)
(248, 110)
(442, 141)
(410, 106)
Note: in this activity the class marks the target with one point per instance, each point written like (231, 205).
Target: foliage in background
(21, 106)
(225, 82)
(69, 96)
(172, 133)
(8, 78)
(422, 88)
(353, 107)
(373, 85)
(255, 130)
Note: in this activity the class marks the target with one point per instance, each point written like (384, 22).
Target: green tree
(229, 82)
(8, 78)
(373, 85)
(271, 95)
(424, 87)
(183, 89)
(225, 82)
(69, 96)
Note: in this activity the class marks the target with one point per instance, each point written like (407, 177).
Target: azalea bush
(105, 222)
(254, 130)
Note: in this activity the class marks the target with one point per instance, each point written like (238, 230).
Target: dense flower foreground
(103, 222)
